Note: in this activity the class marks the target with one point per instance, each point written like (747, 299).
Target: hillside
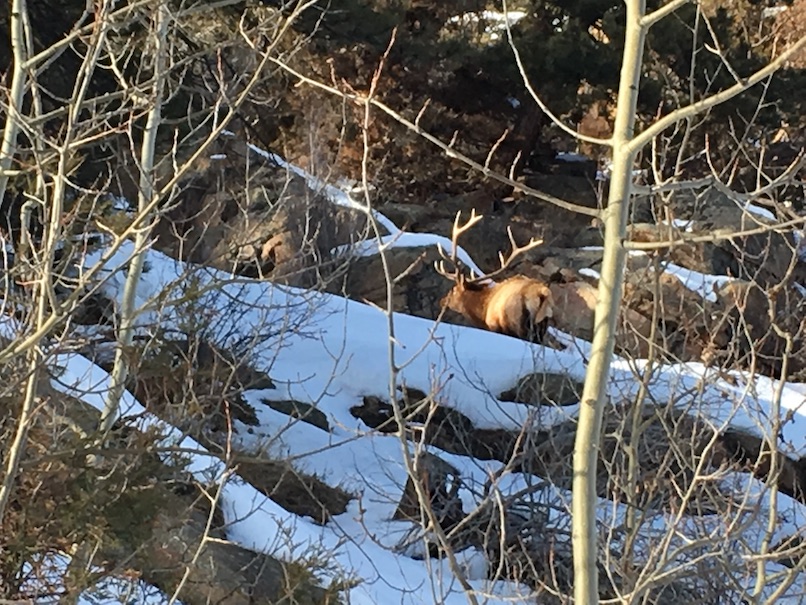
(327, 413)
(239, 358)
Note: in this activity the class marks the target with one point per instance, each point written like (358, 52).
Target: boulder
(768, 258)
(687, 325)
(574, 308)
(542, 388)
(417, 290)
(759, 323)
(277, 227)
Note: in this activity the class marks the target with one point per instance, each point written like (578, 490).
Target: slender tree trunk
(594, 393)
(26, 418)
(8, 148)
(128, 312)
(9, 145)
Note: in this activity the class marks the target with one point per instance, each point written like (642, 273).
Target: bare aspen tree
(149, 195)
(7, 152)
(625, 145)
(45, 275)
(146, 190)
(583, 509)
(16, 92)
(42, 260)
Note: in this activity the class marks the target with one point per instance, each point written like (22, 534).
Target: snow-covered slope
(330, 352)
(338, 352)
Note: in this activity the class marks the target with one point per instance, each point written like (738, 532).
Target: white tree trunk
(128, 312)
(594, 393)
(17, 93)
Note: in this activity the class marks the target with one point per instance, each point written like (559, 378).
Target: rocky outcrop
(767, 258)
(276, 227)
(575, 304)
(131, 513)
(418, 287)
(543, 388)
(670, 442)
(673, 451)
(763, 327)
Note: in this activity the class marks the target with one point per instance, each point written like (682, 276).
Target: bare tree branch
(536, 97)
(640, 140)
(448, 149)
(650, 19)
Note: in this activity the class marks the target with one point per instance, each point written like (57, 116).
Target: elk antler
(456, 231)
(506, 261)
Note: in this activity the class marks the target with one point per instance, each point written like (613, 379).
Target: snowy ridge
(305, 369)
(339, 355)
(395, 237)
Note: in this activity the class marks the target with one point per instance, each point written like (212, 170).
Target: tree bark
(8, 147)
(128, 313)
(611, 282)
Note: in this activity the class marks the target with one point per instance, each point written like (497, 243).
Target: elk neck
(474, 300)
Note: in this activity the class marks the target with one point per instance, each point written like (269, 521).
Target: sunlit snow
(338, 352)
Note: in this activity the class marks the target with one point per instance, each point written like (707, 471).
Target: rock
(298, 492)
(575, 305)
(417, 292)
(543, 388)
(750, 450)
(687, 326)
(763, 257)
(276, 228)
(303, 411)
(410, 217)
(207, 403)
(441, 482)
(489, 237)
(757, 323)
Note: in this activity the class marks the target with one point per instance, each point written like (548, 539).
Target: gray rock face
(277, 228)
(763, 257)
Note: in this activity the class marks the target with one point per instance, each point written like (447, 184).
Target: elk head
(519, 306)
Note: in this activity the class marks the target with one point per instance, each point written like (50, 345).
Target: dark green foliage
(572, 54)
(64, 498)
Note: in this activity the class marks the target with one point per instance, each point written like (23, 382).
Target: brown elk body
(518, 306)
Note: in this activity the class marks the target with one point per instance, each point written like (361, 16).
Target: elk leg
(541, 329)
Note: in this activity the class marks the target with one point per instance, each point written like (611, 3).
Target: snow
(395, 238)
(568, 156)
(700, 283)
(52, 569)
(410, 240)
(256, 522)
(760, 211)
(606, 169)
(500, 20)
(340, 357)
(770, 12)
(331, 352)
(495, 21)
(683, 224)
(334, 194)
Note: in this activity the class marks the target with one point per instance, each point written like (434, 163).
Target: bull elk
(519, 306)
